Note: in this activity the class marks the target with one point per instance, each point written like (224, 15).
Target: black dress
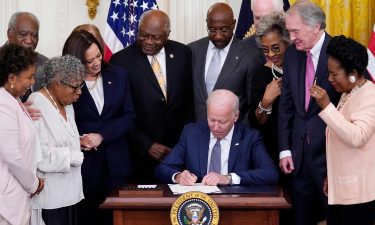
(262, 77)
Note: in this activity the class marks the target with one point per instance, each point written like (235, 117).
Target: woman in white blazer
(350, 135)
(18, 140)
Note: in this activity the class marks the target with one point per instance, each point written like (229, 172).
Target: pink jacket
(351, 148)
(18, 143)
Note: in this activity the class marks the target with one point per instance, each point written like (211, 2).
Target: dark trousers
(61, 216)
(309, 203)
(357, 214)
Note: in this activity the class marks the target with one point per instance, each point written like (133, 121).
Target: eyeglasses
(274, 48)
(76, 88)
(223, 30)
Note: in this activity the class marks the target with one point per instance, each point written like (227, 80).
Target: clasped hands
(41, 182)
(187, 178)
(90, 141)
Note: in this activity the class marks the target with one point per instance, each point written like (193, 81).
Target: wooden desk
(249, 209)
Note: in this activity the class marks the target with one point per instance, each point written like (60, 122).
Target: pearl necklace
(92, 87)
(345, 96)
(71, 131)
(273, 67)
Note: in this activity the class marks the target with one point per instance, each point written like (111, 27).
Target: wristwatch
(229, 176)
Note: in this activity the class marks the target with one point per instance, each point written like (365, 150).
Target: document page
(179, 189)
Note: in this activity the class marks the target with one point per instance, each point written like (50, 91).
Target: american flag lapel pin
(236, 144)
(236, 57)
(171, 56)
(109, 82)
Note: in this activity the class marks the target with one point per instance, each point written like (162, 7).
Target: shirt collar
(318, 46)
(211, 45)
(228, 137)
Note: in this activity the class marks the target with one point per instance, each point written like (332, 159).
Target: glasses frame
(274, 49)
(75, 88)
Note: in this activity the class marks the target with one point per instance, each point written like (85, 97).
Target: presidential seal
(194, 208)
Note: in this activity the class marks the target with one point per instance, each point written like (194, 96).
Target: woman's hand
(325, 186)
(320, 95)
(90, 141)
(273, 90)
(40, 187)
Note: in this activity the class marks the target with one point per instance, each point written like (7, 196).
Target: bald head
(23, 30)
(220, 24)
(265, 7)
(222, 112)
(153, 31)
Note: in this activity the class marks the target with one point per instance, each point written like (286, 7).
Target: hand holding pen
(320, 95)
(186, 178)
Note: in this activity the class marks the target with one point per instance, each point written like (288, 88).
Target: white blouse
(96, 90)
(62, 157)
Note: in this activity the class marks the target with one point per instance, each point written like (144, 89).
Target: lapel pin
(236, 57)
(109, 82)
(171, 56)
(236, 144)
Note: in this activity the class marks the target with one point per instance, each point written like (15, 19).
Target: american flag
(122, 23)
(371, 55)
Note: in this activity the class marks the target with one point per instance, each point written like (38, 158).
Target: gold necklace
(74, 133)
(345, 96)
(92, 87)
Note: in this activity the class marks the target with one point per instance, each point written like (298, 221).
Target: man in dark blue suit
(219, 151)
(301, 131)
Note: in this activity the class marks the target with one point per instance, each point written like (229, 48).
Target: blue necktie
(215, 162)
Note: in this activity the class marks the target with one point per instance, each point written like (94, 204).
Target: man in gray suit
(23, 30)
(221, 61)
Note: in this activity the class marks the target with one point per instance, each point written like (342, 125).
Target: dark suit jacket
(294, 122)
(247, 157)
(251, 41)
(157, 119)
(115, 121)
(235, 75)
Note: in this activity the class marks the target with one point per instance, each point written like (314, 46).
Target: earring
(352, 79)
(11, 86)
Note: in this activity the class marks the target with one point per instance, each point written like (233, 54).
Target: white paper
(179, 189)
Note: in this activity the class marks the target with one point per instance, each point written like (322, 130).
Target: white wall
(59, 17)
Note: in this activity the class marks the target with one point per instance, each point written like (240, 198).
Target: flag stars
(114, 16)
(134, 4)
(123, 31)
(133, 18)
(130, 33)
(125, 3)
(124, 17)
(116, 2)
(154, 6)
(144, 5)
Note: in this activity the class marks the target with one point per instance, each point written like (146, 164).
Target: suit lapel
(201, 61)
(108, 91)
(234, 148)
(172, 70)
(232, 60)
(144, 65)
(203, 145)
(86, 97)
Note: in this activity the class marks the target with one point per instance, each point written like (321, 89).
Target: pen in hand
(315, 80)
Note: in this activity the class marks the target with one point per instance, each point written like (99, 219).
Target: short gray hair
(310, 13)
(61, 69)
(278, 5)
(224, 97)
(275, 22)
(14, 17)
(167, 21)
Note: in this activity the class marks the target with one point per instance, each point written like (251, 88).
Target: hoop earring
(11, 86)
(352, 79)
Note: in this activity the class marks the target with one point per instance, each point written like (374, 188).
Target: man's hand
(214, 179)
(286, 164)
(33, 112)
(158, 151)
(186, 178)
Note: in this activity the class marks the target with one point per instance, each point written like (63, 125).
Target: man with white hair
(218, 151)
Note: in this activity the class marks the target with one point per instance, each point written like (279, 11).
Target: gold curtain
(352, 18)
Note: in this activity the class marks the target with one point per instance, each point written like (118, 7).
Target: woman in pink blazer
(18, 140)
(350, 135)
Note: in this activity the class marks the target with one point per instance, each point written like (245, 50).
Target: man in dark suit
(301, 131)
(160, 82)
(221, 61)
(23, 30)
(219, 151)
